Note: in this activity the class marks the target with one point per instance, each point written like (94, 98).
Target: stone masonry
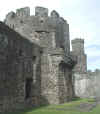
(35, 53)
(86, 83)
(78, 50)
(18, 59)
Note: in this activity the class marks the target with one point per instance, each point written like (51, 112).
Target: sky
(82, 16)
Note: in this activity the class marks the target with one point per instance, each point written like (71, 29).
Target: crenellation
(78, 45)
(23, 12)
(41, 12)
(63, 20)
(78, 40)
(11, 15)
(43, 23)
(54, 14)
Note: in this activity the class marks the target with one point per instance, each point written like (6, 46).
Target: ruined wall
(18, 57)
(81, 80)
(86, 82)
(52, 34)
(87, 85)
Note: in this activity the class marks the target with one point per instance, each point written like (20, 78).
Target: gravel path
(88, 106)
(83, 107)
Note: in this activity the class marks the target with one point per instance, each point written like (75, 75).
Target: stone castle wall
(52, 34)
(87, 85)
(40, 59)
(16, 68)
(45, 61)
(86, 82)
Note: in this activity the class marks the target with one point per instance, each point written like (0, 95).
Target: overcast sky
(82, 16)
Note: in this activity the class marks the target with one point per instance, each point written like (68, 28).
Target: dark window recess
(20, 52)
(62, 46)
(21, 21)
(28, 87)
(13, 26)
(34, 58)
(41, 52)
(41, 21)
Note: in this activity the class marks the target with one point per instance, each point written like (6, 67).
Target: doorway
(28, 88)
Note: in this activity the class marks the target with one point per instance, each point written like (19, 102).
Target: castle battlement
(10, 15)
(78, 50)
(23, 12)
(54, 14)
(41, 11)
(78, 45)
(41, 23)
(77, 40)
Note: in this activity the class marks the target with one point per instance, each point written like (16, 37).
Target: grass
(67, 108)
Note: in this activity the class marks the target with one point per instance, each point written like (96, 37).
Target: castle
(40, 68)
(35, 53)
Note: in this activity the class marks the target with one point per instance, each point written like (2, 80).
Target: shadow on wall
(66, 92)
(25, 111)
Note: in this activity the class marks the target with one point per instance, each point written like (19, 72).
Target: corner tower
(78, 50)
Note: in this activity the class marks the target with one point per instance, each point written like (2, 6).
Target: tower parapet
(78, 50)
(78, 45)
(54, 14)
(10, 15)
(41, 12)
(52, 26)
(23, 12)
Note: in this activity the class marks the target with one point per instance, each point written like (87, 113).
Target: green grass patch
(67, 108)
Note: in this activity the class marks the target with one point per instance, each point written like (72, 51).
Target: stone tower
(78, 50)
